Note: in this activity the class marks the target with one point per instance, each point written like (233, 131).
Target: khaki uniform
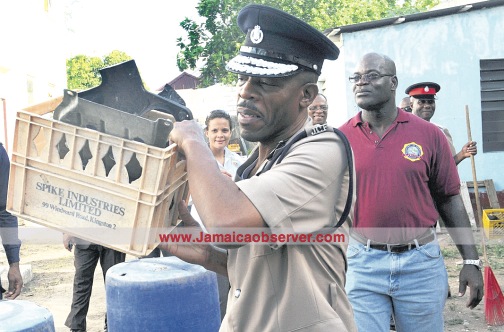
(440, 224)
(294, 287)
(449, 138)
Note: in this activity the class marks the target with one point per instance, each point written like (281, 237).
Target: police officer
(275, 286)
(423, 104)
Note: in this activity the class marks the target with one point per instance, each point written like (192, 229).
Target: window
(492, 104)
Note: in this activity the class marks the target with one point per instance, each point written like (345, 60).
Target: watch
(476, 262)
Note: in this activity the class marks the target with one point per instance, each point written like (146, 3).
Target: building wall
(32, 63)
(185, 82)
(202, 101)
(446, 50)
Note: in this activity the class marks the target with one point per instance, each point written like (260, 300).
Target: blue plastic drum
(24, 316)
(161, 294)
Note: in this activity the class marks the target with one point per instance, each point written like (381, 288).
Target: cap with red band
(425, 90)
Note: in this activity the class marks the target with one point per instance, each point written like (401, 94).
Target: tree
(83, 72)
(215, 41)
(114, 58)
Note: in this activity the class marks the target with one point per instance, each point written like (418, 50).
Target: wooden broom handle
(476, 191)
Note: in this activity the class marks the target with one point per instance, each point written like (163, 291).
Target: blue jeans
(412, 284)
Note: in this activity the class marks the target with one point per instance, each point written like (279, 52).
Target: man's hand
(15, 281)
(68, 241)
(469, 149)
(471, 276)
(186, 131)
(206, 255)
(189, 252)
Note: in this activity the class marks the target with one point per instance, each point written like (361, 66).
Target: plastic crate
(494, 228)
(103, 189)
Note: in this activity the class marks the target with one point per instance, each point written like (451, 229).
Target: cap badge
(256, 35)
(426, 89)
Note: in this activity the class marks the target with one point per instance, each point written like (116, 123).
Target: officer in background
(423, 104)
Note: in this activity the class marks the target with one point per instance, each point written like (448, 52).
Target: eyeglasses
(366, 77)
(323, 108)
(426, 101)
(407, 109)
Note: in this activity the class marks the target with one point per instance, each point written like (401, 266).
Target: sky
(145, 30)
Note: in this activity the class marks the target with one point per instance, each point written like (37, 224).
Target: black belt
(396, 248)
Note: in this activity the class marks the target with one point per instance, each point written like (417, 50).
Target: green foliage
(215, 41)
(83, 71)
(190, 52)
(495, 252)
(115, 57)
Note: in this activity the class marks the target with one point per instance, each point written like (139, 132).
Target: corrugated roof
(414, 17)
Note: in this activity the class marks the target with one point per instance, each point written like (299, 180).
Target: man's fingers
(462, 289)
(474, 298)
(185, 215)
(14, 291)
(183, 210)
(170, 247)
(471, 276)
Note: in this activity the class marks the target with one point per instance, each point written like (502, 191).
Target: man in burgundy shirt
(404, 170)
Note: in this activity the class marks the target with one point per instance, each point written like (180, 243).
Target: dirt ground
(53, 271)
(52, 267)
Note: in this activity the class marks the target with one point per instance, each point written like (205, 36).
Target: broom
(494, 300)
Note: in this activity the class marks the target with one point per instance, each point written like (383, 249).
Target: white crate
(110, 191)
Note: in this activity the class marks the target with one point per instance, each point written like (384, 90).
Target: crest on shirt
(412, 151)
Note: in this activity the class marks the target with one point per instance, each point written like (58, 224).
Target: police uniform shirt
(294, 287)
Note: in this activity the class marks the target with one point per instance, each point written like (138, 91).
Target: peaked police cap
(278, 44)
(423, 90)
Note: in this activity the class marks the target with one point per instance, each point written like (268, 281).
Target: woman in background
(218, 129)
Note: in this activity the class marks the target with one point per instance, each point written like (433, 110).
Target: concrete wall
(446, 50)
